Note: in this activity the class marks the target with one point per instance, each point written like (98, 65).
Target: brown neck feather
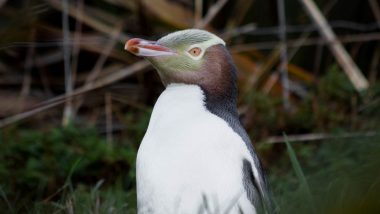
(219, 83)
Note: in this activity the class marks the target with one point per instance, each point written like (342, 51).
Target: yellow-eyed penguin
(196, 156)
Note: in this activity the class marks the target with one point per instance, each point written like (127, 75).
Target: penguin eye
(195, 51)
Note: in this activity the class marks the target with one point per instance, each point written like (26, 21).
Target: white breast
(190, 160)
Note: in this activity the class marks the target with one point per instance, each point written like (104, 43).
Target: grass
(337, 176)
(304, 186)
(65, 169)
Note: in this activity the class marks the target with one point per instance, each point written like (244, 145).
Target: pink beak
(141, 47)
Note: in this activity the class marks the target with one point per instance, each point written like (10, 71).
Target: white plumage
(190, 160)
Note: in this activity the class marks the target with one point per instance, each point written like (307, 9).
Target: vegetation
(83, 161)
(65, 169)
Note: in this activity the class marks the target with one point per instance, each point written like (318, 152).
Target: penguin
(196, 157)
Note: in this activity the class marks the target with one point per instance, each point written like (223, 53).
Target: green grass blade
(5, 198)
(299, 173)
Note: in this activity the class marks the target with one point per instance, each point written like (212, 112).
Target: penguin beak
(145, 48)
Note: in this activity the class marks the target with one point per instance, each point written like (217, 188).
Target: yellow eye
(195, 51)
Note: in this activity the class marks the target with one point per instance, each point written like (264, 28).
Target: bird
(196, 157)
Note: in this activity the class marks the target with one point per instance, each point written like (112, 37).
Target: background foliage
(83, 161)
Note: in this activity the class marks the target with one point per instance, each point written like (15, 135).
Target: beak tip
(131, 45)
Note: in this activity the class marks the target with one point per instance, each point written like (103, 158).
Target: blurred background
(74, 105)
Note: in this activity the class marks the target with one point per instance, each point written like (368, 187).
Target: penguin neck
(220, 87)
(181, 100)
(221, 102)
(221, 93)
(189, 96)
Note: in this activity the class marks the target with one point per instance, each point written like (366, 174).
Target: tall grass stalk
(299, 173)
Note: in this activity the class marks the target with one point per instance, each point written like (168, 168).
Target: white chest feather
(190, 160)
